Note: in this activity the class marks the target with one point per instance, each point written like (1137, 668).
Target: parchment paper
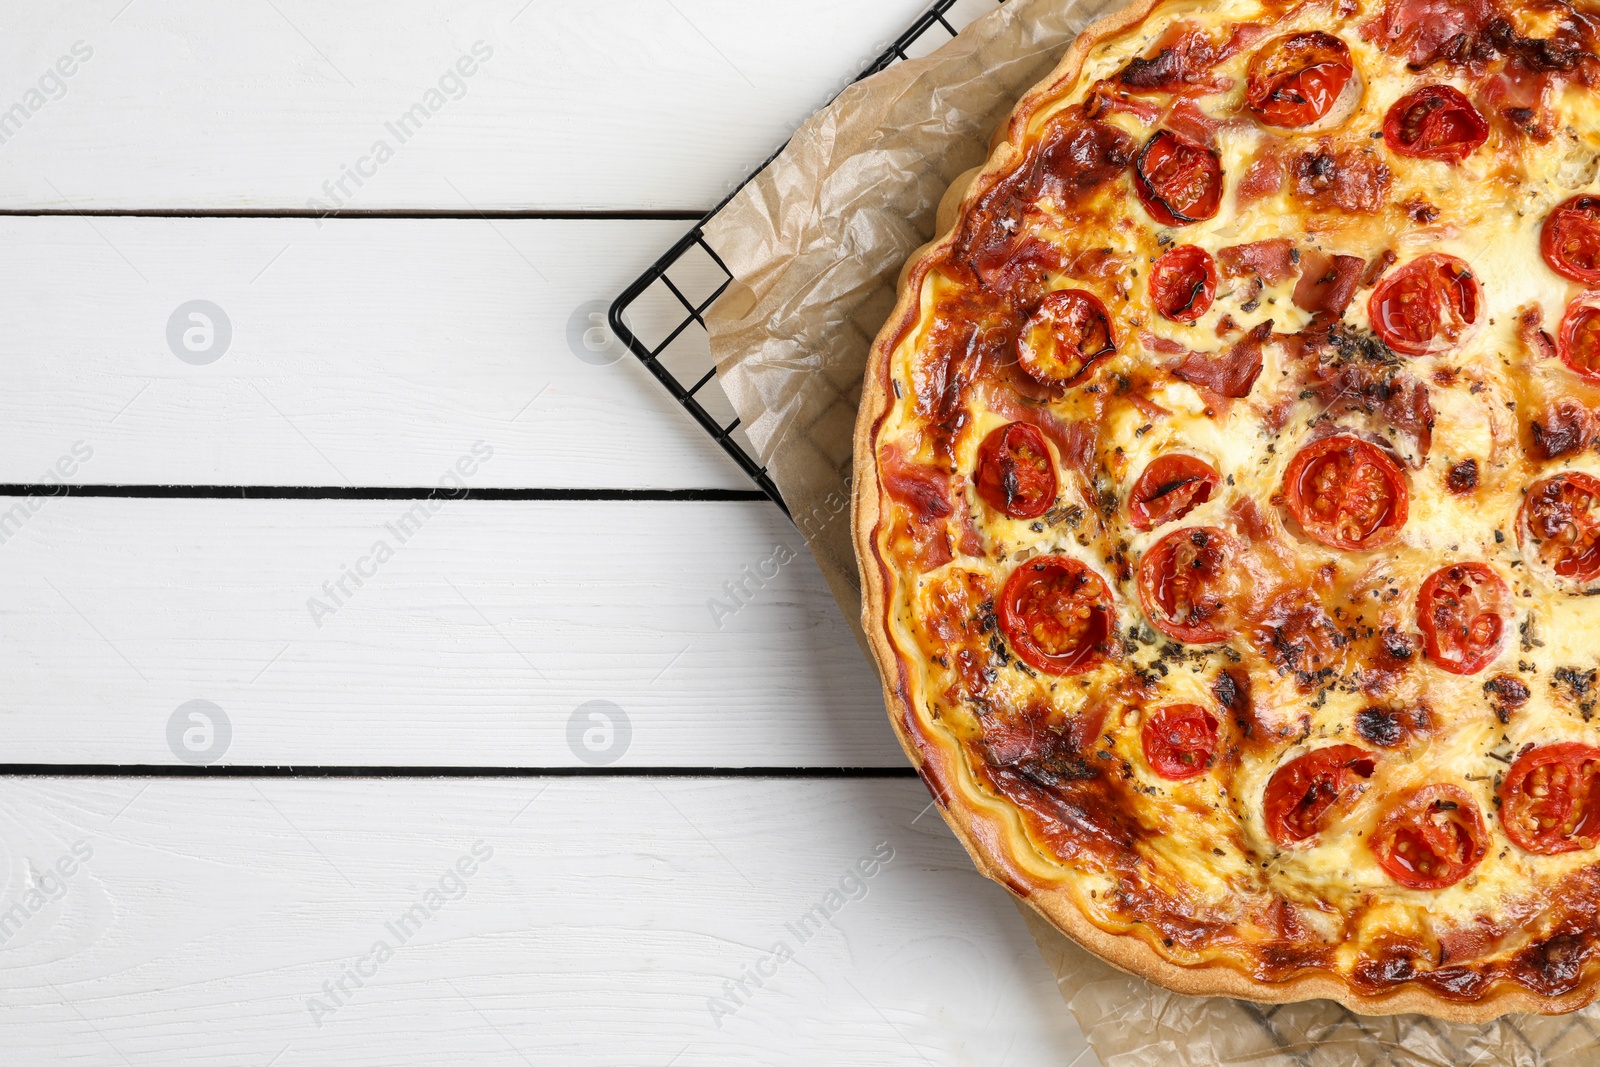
(815, 245)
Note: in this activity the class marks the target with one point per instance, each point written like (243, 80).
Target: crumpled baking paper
(815, 245)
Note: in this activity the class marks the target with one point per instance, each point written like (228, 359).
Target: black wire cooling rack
(660, 317)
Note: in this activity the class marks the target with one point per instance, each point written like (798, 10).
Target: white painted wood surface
(490, 625)
(600, 930)
(603, 104)
(376, 352)
(366, 352)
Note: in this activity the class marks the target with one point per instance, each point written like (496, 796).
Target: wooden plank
(649, 104)
(387, 633)
(602, 922)
(364, 352)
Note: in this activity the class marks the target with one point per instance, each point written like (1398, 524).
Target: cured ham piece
(1272, 261)
(924, 492)
(1327, 283)
(1231, 373)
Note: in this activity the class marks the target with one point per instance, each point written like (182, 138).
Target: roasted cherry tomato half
(1170, 487)
(1579, 340)
(1550, 799)
(1430, 837)
(1296, 79)
(1346, 493)
(1435, 122)
(1183, 282)
(1057, 615)
(1464, 611)
(1064, 339)
(1177, 180)
(1570, 241)
(1561, 516)
(1425, 306)
(1304, 793)
(1183, 584)
(1180, 741)
(1016, 474)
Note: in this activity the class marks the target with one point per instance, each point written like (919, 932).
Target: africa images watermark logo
(14, 518)
(44, 887)
(589, 335)
(450, 886)
(199, 733)
(338, 592)
(739, 591)
(824, 512)
(451, 85)
(199, 332)
(851, 886)
(599, 732)
(50, 86)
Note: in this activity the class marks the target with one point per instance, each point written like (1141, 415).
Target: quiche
(1227, 500)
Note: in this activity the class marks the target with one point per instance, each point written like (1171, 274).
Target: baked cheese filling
(1242, 493)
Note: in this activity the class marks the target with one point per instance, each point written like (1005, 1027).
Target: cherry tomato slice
(1296, 79)
(1057, 615)
(1016, 474)
(1464, 610)
(1430, 837)
(1063, 340)
(1578, 342)
(1180, 741)
(1425, 306)
(1177, 180)
(1435, 122)
(1170, 487)
(1182, 580)
(1561, 516)
(1304, 793)
(1550, 799)
(1183, 282)
(1346, 493)
(1570, 240)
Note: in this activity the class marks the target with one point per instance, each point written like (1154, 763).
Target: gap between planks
(512, 214)
(337, 492)
(90, 770)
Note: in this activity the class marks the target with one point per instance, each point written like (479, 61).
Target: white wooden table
(574, 889)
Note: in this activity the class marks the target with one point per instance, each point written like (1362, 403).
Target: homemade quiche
(1228, 502)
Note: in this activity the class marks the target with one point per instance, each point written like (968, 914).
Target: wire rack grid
(661, 316)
